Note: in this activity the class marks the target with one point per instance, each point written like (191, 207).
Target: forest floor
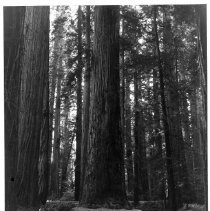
(66, 203)
(143, 206)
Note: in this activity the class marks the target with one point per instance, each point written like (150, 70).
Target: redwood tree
(79, 107)
(169, 165)
(13, 42)
(34, 65)
(104, 179)
(86, 102)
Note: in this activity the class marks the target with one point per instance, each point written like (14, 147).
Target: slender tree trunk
(198, 164)
(34, 72)
(79, 109)
(128, 135)
(169, 164)
(104, 179)
(158, 137)
(86, 103)
(68, 142)
(141, 184)
(53, 77)
(202, 47)
(137, 190)
(122, 93)
(56, 146)
(13, 49)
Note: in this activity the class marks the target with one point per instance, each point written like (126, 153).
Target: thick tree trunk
(13, 46)
(86, 103)
(170, 171)
(178, 145)
(104, 179)
(34, 73)
(79, 109)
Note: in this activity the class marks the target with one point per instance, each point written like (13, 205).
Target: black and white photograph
(105, 107)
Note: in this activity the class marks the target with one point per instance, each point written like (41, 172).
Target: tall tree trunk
(68, 142)
(136, 196)
(104, 179)
(34, 72)
(86, 102)
(122, 91)
(79, 108)
(53, 80)
(173, 92)
(53, 77)
(141, 177)
(56, 146)
(170, 171)
(198, 162)
(157, 136)
(13, 46)
(202, 57)
(129, 156)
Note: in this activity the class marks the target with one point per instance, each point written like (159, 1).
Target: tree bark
(34, 72)
(170, 171)
(13, 47)
(79, 109)
(44, 157)
(86, 103)
(104, 179)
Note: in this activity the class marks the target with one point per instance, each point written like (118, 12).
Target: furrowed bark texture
(34, 72)
(79, 109)
(86, 103)
(104, 177)
(44, 158)
(13, 50)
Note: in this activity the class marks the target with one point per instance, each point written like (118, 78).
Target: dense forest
(105, 107)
